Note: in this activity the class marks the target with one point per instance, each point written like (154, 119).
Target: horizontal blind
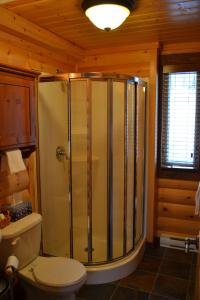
(180, 120)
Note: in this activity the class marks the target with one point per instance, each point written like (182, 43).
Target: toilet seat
(58, 272)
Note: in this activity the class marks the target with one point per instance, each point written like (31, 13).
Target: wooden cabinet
(17, 110)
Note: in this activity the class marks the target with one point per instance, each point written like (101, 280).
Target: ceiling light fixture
(107, 14)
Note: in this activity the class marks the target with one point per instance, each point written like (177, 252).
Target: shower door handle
(61, 153)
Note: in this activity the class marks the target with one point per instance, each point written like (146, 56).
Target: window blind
(180, 132)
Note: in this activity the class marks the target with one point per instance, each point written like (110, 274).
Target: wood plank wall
(132, 60)
(26, 188)
(16, 52)
(26, 45)
(176, 207)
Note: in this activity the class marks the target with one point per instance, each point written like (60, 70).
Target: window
(180, 121)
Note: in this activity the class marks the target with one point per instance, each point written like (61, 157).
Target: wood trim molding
(19, 71)
(152, 146)
(178, 48)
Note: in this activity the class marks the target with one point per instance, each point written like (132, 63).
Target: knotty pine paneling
(124, 60)
(16, 52)
(165, 21)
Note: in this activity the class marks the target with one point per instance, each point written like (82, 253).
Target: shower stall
(92, 170)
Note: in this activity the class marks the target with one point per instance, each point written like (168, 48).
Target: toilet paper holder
(11, 265)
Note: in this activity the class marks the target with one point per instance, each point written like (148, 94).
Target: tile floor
(163, 274)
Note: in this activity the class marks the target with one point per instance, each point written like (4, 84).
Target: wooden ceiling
(166, 21)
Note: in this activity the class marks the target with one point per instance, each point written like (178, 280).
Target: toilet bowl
(42, 278)
(52, 278)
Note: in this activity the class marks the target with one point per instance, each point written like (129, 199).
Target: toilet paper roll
(11, 265)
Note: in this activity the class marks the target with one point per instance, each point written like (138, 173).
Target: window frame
(171, 64)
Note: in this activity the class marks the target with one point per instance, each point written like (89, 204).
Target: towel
(197, 201)
(15, 161)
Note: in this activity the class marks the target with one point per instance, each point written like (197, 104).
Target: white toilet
(56, 278)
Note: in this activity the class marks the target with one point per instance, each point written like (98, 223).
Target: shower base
(105, 272)
(116, 270)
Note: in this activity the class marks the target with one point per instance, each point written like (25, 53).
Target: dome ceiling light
(107, 14)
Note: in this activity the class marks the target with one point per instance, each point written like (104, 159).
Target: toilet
(56, 278)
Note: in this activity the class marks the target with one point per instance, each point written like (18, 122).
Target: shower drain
(86, 249)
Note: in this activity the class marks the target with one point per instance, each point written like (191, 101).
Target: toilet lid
(59, 271)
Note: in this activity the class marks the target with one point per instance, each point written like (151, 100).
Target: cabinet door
(17, 112)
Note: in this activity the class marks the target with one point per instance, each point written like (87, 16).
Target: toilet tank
(22, 239)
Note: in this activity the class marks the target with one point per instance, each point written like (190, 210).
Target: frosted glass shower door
(79, 168)
(118, 148)
(89, 169)
(130, 165)
(99, 125)
(53, 132)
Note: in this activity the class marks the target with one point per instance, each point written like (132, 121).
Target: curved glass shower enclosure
(92, 166)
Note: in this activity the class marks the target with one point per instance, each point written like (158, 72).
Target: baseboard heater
(181, 243)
